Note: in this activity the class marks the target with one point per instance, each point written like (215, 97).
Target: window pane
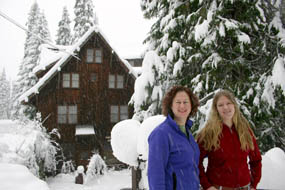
(93, 77)
(72, 115)
(123, 112)
(73, 109)
(111, 81)
(61, 114)
(75, 80)
(98, 55)
(90, 55)
(62, 109)
(66, 80)
(120, 81)
(114, 114)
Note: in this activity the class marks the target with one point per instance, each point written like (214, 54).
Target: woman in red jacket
(228, 141)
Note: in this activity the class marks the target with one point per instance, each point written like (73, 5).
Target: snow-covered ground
(14, 176)
(112, 180)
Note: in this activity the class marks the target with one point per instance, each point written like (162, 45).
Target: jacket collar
(189, 123)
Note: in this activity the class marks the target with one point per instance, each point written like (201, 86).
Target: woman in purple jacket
(173, 153)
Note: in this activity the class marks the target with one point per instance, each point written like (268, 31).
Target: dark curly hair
(169, 96)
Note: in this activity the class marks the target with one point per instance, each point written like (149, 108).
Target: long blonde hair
(209, 136)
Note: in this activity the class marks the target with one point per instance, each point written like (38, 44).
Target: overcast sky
(121, 21)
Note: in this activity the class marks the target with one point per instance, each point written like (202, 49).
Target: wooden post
(137, 174)
(136, 177)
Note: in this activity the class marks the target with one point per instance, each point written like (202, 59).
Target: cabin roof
(59, 59)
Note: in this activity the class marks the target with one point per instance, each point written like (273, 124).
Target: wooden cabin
(83, 92)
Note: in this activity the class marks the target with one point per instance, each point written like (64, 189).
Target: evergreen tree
(268, 114)
(84, 17)
(64, 36)
(282, 11)
(4, 96)
(37, 35)
(208, 45)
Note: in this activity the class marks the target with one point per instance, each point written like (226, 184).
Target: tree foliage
(229, 44)
(5, 96)
(64, 36)
(37, 35)
(84, 17)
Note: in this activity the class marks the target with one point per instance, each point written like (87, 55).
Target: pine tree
(282, 11)
(64, 36)
(38, 34)
(208, 45)
(4, 96)
(84, 17)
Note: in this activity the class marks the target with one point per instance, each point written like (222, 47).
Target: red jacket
(227, 166)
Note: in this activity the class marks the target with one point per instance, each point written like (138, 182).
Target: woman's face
(226, 109)
(181, 106)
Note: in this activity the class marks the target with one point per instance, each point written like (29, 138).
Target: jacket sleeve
(255, 164)
(157, 160)
(203, 178)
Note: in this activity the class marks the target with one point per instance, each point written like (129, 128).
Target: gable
(75, 52)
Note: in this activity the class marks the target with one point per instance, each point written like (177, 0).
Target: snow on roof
(66, 55)
(84, 130)
(49, 55)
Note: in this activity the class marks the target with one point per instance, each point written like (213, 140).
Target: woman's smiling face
(226, 109)
(181, 106)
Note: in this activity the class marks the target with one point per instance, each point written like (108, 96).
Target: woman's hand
(213, 188)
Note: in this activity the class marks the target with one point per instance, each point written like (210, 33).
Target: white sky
(121, 21)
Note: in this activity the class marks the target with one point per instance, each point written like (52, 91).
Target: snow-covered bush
(95, 167)
(31, 145)
(67, 167)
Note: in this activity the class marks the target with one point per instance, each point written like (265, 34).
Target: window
(66, 80)
(72, 114)
(114, 114)
(124, 112)
(67, 114)
(93, 77)
(98, 56)
(70, 80)
(75, 80)
(116, 81)
(120, 81)
(111, 81)
(90, 56)
(119, 113)
(61, 111)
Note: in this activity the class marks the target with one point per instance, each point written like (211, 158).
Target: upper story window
(70, 80)
(67, 114)
(119, 113)
(112, 81)
(91, 55)
(116, 81)
(98, 56)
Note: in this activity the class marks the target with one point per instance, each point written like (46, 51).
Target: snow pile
(14, 176)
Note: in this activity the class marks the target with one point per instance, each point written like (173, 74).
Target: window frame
(116, 83)
(98, 57)
(119, 114)
(112, 84)
(69, 82)
(90, 55)
(69, 117)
